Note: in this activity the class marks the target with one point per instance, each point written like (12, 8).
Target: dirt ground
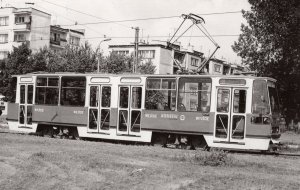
(31, 162)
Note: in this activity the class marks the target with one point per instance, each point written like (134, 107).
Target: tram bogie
(235, 112)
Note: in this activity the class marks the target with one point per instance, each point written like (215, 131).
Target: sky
(162, 18)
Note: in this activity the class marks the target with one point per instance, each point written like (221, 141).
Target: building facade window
(19, 19)
(3, 54)
(217, 68)
(194, 62)
(3, 38)
(4, 21)
(147, 54)
(55, 37)
(121, 52)
(74, 40)
(19, 37)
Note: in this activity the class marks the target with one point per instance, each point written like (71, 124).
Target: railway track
(272, 153)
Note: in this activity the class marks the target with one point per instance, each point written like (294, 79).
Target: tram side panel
(177, 122)
(13, 116)
(60, 114)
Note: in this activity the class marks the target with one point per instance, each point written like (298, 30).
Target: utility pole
(136, 49)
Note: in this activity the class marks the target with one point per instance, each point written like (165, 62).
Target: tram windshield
(260, 99)
(273, 95)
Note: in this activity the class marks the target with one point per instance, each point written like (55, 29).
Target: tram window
(136, 97)
(238, 127)
(53, 81)
(194, 94)
(260, 99)
(105, 114)
(135, 121)
(223, 100)
(273, 95)
(106, 96)
(160, 94)
(239, 101)
(124, 91)
(123, 120)
(73, 91)
(29, 115)
(30, 94)
(94, 101)
(93, 118)
(221, 126)
(41, 81)
(22, 114)
(22, 94)
(47, 91)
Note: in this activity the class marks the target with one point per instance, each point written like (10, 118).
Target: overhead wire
(207, 32)
(183, 33)
(126, 37)
(72, 20)
(84, 13)
(209, 37)
(177, 30)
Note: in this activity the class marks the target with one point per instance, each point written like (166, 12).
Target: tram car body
(234, 112)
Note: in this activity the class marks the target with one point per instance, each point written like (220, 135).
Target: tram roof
(142, 75)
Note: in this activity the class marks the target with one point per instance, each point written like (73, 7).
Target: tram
(230, 112)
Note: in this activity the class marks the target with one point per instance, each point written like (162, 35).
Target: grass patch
(38, 155)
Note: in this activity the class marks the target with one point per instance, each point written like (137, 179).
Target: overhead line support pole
(136, 49)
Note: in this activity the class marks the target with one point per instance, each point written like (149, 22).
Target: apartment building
(166, 59)
(60, 37)
(172, 58)
(19, 25)
(23, 25)
(221, 67)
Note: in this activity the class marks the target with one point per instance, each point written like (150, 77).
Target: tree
(18, 62)
(270, 44)
(80, 59)
(116, 63)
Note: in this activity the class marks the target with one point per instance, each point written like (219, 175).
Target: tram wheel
(48, 132)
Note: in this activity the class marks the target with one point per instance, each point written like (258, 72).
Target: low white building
(159, 55)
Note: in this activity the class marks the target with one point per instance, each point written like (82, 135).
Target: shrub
(38, 155)
(215, 157)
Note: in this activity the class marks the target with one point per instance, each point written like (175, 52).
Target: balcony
(22, 27)
(18, 43)
(58, 43)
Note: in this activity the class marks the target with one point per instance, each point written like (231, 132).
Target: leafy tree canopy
(270, 44)
(82, 59)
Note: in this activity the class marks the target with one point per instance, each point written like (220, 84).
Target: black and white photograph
(149, 94)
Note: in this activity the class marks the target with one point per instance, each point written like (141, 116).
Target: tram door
(230, 114)
(129, 110)
(99, 109)
(25, 106)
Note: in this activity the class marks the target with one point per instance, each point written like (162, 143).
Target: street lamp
(107, 39)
